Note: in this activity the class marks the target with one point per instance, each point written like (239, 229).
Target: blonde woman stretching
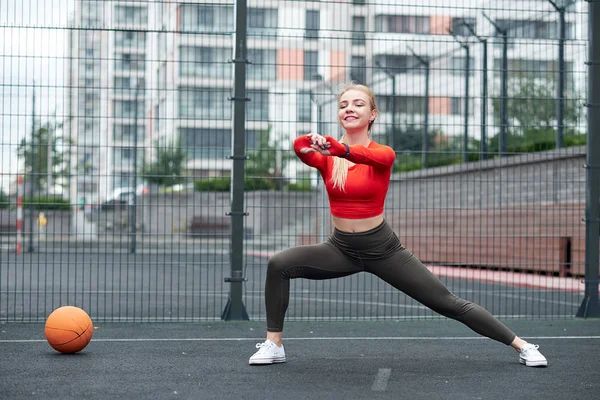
(356, 172)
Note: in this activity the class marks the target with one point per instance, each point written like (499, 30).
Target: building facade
(298, 54)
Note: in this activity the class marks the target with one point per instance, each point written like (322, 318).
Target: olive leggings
(379, 252)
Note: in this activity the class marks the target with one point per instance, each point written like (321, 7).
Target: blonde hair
(339, 172)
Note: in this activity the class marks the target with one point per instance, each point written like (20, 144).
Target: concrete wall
(520, 213)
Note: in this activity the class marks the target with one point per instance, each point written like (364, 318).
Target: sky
(33, 43)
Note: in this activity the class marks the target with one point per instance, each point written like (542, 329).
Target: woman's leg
(405, 272)
(321, 261)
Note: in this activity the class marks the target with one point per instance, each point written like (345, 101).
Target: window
(402, 24)
(458, 65)
(311, 65)
(528, 29)
(404, 104)
(530, 69)
(205, 142)
(262, 21)
(161, 76)
(130, 39)
(128, 84)
(457, 106)
(257, 109)
(124, 179)
(358, 30)
(130, 62)
(126, 132)
(206, 103)
(205, 62)
(459, 28)
(313, 24)
(263, 64)
(131, 15)
(126, 109)
(252, 138)
(205, 18)
(303, 106)
(358, 69)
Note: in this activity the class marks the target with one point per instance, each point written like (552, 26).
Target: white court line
(341, 338)
(381, 379)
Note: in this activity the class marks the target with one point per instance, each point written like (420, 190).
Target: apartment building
(107, 73)
(298, 53)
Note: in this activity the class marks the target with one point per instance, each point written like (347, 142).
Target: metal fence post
(560, 107)
(466, 116)
(589, 307)
(133, 215)
(484, 91)
(504, 96)
(425, 135)
(392, 76)
(235, 309)
(560, 101)
(425, 144)
(32, 174)
(503, 87)
(465, 46)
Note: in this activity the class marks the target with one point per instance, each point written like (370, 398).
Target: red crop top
(367, 181)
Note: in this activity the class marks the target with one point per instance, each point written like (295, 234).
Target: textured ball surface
(69, 329)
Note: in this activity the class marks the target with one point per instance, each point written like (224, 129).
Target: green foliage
(575, 140)
(223, 184)
(35, 156)
(532, 105)
(267, 161)
(536, 139)
(303, 185)
(168, 167)
(409, 137)
(4, 200)
(213, 184)
(251, 184)
(47, 203)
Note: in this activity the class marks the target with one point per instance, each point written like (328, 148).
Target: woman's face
(355, 110)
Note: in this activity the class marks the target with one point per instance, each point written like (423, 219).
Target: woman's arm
(379, 157)
(306, 154)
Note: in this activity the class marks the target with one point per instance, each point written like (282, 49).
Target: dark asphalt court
(428, 359)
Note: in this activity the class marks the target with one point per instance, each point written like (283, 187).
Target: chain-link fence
(147, 171)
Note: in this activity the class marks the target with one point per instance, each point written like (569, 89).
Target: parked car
(122, 197)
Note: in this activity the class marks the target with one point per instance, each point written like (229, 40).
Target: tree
(4, 201)
(46, 146)
(168, 167)
(268, 160)
(532, 109)
(409, 138)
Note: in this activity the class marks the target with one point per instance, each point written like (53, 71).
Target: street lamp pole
(484, 91)
(133, 214)
(503, 89)
(560, 101)
(425, 139)
(465, 46)
(392, 138)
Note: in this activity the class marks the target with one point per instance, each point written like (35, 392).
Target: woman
(356, 171)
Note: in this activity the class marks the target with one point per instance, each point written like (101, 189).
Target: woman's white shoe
(530, 356)
(268, 353)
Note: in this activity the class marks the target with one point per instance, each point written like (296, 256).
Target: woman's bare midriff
(357, 225)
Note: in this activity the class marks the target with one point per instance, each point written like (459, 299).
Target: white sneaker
(268, 353)
(531, 357)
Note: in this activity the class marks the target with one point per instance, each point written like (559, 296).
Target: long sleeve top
(367, 181)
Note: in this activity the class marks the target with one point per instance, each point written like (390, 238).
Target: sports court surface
(426, 359)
